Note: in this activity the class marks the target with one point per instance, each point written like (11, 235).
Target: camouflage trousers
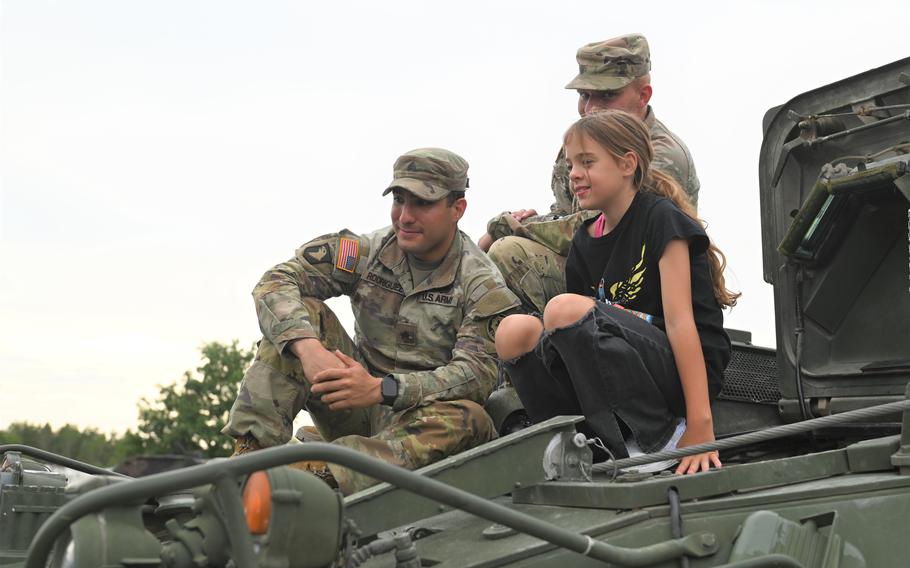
(532, 271)
(274, 390)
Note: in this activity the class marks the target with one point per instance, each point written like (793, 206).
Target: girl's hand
(699, 462)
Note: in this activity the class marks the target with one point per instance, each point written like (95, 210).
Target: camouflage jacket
(437, 338)
(555, 229)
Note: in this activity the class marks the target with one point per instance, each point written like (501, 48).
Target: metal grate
(751, 375)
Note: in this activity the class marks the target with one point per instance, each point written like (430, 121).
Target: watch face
(389, 387)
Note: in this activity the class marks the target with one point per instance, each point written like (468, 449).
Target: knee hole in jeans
(516, 335)
(566, 309)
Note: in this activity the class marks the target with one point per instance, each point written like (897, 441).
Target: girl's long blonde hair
(619, 133)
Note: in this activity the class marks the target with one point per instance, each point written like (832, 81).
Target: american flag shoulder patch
(348, 254)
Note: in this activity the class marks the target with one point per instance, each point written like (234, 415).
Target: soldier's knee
(478, 421)
(267, 353)
(471, 408)
(332, 333)
(504, 252)
(269, 361)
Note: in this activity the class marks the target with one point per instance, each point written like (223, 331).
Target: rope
(760, 436)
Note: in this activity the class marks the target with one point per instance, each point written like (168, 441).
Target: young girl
(637, 345)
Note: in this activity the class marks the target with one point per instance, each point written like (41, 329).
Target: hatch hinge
(901, 458)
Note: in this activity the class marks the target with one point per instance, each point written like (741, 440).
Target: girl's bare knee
(516, 335)
(565, 309)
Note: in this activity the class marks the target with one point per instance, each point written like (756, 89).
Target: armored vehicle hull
(815, 437)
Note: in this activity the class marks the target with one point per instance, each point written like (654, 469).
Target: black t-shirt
(624, 263)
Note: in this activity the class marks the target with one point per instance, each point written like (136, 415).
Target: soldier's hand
(523, 214)
(349, 387)
(486, 241)
(314, 357)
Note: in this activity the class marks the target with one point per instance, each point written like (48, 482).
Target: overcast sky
(158, 157)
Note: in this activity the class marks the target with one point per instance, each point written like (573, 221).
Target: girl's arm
(676, 296)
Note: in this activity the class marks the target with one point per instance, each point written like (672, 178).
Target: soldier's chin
(409, 242)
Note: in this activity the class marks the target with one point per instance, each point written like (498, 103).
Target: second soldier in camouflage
(531, 250)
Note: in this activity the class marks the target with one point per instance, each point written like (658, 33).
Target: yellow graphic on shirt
(627, 290)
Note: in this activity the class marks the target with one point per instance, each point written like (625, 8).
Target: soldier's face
(597, 176)
(633, 98)
(424, 228)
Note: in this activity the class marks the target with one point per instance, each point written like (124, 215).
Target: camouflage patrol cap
(430, 173)
(611, 64)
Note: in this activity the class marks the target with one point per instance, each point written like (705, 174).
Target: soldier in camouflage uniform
(531, 249)
(410, 386)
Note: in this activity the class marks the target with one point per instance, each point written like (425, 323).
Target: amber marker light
(257, 502)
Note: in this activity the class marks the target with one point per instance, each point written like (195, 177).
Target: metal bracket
(903, 185)
(568, 458)
(12, 467)
(901, 458)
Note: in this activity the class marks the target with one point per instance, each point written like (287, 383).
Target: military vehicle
(815, 436)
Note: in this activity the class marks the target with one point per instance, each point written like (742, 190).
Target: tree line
(185, 418)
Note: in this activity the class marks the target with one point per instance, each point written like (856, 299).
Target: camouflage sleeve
(564, 203)
(673, 159)
(323, 268)
(471, 373)
(551, 231)
(504, 225)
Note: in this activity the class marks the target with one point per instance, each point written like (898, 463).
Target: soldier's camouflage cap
(611, 64)
(430, 173)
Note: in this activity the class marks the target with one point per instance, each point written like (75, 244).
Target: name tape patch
(438, 298)
(384, 283)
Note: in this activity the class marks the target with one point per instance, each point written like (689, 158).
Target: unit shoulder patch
(317, 254)
(493, 324)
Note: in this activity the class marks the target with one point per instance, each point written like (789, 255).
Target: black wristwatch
(389, 390)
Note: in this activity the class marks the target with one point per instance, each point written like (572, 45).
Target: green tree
(188, 415)
(89, 445)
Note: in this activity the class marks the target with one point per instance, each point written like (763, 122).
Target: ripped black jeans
(609, 366)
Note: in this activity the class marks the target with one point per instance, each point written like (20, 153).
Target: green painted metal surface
(494, 469)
